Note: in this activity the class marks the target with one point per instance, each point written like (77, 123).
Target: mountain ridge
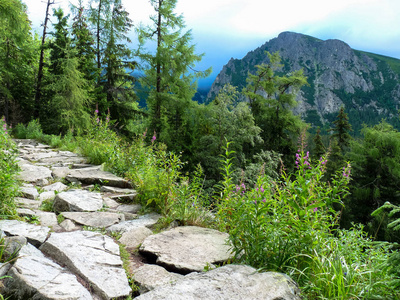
(366, 84)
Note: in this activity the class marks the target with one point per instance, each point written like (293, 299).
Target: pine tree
(169, 75)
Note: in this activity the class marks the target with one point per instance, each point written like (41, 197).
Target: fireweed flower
(315, 209)
(154, 137)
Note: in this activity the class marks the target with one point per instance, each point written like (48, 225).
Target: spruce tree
(169, 75)
(319, 148)
(341, 130)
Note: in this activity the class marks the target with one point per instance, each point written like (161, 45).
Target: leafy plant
(8, 173)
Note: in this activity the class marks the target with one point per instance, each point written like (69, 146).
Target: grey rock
(69, 225)
(32, 173)
(92, 256)
(36, 235)
(145, 220)
(110, 203)
(27, 203)
(48, 195)
(134, 237)
(94, 219)
(56, 187)
(48, 219)
(188, 249)
(4, 267)
(36, 277)
(149, 277)
(61, 160)
(116, 190)
(60, 172)
(232, 282)
(95, 176)
(12, 246)
(77, 200)
(124, 197)
(129, 208)
(29, 192)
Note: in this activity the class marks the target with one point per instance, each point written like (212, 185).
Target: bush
(8, 173)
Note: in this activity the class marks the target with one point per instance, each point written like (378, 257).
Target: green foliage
(271, 98)
(190, 205)
(8, 174)
(272, 222)
(169, 80)
(17, 48)
(350, 266)
(375, 159)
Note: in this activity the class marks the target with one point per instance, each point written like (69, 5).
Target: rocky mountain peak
(365, 84)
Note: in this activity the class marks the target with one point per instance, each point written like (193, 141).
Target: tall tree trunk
(40, 71)
(98, 36)
(157, 107)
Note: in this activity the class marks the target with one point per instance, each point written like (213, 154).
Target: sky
(222, 29)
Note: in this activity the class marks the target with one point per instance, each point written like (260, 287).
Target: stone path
(68, 248)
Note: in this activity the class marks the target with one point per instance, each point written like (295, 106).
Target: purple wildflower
(315, 209)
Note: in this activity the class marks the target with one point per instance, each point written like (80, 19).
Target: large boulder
(92, 256)
(33, 276)
(231, 282)
(77, 200)
(187, 249)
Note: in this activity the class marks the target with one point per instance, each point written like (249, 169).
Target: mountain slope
(366, 84)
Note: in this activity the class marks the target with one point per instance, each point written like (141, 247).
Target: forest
(322, 207)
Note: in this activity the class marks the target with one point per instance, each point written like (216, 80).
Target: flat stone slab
(27, 203)
(35, 234)
(92, 256)
(94, 219)
(48, 195)
(77, 200)
(32, 173)
(116, 190)
(231, 282)
(145, 220)
(36, 277)
(148, 277)
(134, 237)
(96, 176)
(187, 249)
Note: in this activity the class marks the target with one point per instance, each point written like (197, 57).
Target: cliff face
(366, 84)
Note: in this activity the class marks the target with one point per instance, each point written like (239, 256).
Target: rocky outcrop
(366, 84)
(229, 282)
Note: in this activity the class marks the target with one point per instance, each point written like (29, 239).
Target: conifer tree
(66, 86)
(17, 62)
(341, 130)
(319, 148)
(272, 98)
(169, 75)
(114, 60)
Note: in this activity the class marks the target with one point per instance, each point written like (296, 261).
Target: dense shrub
(8, 173)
